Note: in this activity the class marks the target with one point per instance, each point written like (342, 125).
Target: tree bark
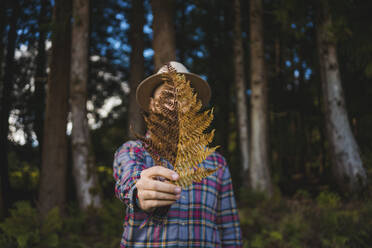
(137, 66)
(40, 76)
(2, 34)
(181, 35)
(164, 44)
(218, 42)
(52, 191)
(240, 88)
(6, 105)
(2, 30)
(87, 188)
(347, 166)
(259, 163)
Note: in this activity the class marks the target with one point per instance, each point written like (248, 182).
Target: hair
(156, 87)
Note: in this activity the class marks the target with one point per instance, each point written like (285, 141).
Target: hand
(154, 193)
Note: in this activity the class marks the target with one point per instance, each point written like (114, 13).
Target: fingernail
(178, 190)
(178, 196)
(175, 176)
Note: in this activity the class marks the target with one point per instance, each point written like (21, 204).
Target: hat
(146, 88)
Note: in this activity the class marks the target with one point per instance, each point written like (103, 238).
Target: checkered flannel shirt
(204, 216)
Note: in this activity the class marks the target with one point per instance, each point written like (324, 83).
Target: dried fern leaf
(177, 129)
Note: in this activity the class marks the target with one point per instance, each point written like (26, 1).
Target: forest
(291, 85)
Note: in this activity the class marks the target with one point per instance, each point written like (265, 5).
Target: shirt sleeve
(129, 161)
(227, 213)
(127, 167)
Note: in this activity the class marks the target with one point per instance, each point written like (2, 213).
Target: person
(202, 215)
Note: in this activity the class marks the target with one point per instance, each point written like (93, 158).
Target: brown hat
(146, 88)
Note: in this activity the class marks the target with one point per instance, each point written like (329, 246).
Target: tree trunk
(40, 76)
(347, 166)
(240, 89)
(259, 163)
(6, 104)
(137, 66)
(52, 190)
(164, 44)
(88, 193)
(181, 35)
(321, 126)
(218, 42)
(2, 34)
(2, 30)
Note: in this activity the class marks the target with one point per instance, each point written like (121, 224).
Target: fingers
(153, 185)
(156, 195)
(160, 171)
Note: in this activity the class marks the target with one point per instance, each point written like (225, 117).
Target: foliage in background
(24, 228)
(327, 221)
(324, 222)
(95, 228)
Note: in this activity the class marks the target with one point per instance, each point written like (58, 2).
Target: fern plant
(176, 128)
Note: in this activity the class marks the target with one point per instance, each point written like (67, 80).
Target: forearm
(128, 164)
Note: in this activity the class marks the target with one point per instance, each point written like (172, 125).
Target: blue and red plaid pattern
(204, 216)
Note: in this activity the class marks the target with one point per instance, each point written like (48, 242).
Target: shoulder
(131, 147)
(131, 144)
(217, 160)
(214, 161)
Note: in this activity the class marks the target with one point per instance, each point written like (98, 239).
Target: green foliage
(25, 228)
(22, 174)
(368, 70)
(328, 200)
(105, 175)
(98, 228)
(326, 221)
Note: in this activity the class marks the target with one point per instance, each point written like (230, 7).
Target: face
(158, 91)
(156, 95)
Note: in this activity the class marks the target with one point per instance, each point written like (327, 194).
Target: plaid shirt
(204, 216)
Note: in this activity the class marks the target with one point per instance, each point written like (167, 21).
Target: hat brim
(146, 88)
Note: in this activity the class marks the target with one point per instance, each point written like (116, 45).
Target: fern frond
(190, 176)
(177, 129)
